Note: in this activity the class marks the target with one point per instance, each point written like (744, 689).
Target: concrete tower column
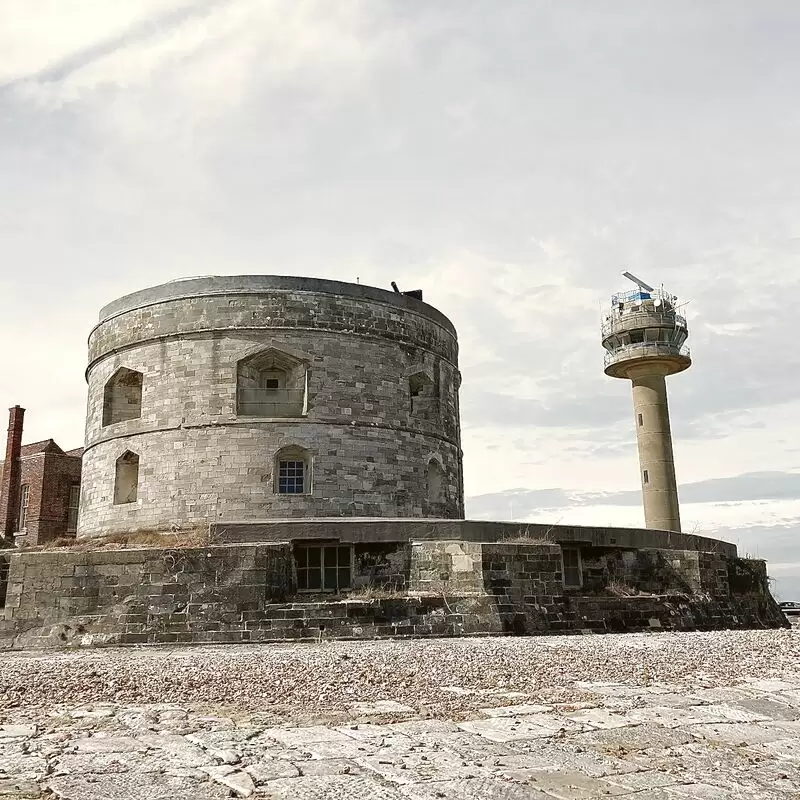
(654, 440)
(644, 337)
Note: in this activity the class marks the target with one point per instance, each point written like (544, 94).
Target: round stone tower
(645, 337)
(263, 397)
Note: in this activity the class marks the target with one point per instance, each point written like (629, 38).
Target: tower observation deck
(645, 340)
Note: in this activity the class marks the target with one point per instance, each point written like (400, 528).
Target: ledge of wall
(404, 530)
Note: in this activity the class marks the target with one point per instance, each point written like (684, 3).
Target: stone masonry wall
(201, 463)
(139, 596)
(247, 593)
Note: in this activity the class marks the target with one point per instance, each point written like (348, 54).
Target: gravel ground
(445, 678)
(660, 716)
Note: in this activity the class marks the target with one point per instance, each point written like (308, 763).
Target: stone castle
(306, 432)
(269, 397)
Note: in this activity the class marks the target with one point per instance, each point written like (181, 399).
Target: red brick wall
(49, 477)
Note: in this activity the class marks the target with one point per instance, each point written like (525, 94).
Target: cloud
(749, 487)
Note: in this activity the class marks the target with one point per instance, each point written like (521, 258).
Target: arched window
(292, 470)
(122, 396)
(435, 479)
(271, 384)
(126, 479)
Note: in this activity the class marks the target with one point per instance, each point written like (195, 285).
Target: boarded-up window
(434, 480)
(571, 560)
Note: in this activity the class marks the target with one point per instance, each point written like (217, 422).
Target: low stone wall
(141, 596)
(247, 593)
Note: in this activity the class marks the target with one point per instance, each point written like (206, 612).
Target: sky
(511, 159)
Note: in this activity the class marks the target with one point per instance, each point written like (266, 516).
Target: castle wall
(248, 592)
(353, 351)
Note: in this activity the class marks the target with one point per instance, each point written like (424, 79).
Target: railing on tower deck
(646, 350)
(616, 322)
(271, 402)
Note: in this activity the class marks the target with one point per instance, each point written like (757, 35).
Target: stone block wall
(655, 571)
(384, 566)
(201, 462)
(140, 596)
(246, 593)
(446, 567)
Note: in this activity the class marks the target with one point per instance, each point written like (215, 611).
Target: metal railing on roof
(646, 350)
(642, 319)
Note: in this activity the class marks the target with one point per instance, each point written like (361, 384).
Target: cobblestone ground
(658, 716)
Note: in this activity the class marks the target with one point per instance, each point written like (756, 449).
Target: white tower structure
(645, 340)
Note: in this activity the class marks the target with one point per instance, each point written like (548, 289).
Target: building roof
(45, 446)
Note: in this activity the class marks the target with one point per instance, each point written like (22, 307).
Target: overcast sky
(510, 158)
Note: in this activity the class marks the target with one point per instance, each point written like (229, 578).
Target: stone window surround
(272, 382)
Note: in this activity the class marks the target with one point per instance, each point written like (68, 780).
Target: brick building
(39, 489)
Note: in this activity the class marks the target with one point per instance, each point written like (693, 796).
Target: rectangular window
(24, 494)
(571, 561)
(72, 507)
(291, 477)
(641, 421)
(272, 383)
(645, 476)
(323, 568)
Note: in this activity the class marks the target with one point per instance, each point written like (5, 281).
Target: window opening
(122, 396)
(72, 507)
(422, 394)
(271, 384)
(572, 573)
(645, 476)
(641, 420)
(291, 477)
(24, 496)
(292, 471)
(323, 568)
(126, 485)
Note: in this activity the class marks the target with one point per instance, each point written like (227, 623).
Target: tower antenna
(638, 281)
